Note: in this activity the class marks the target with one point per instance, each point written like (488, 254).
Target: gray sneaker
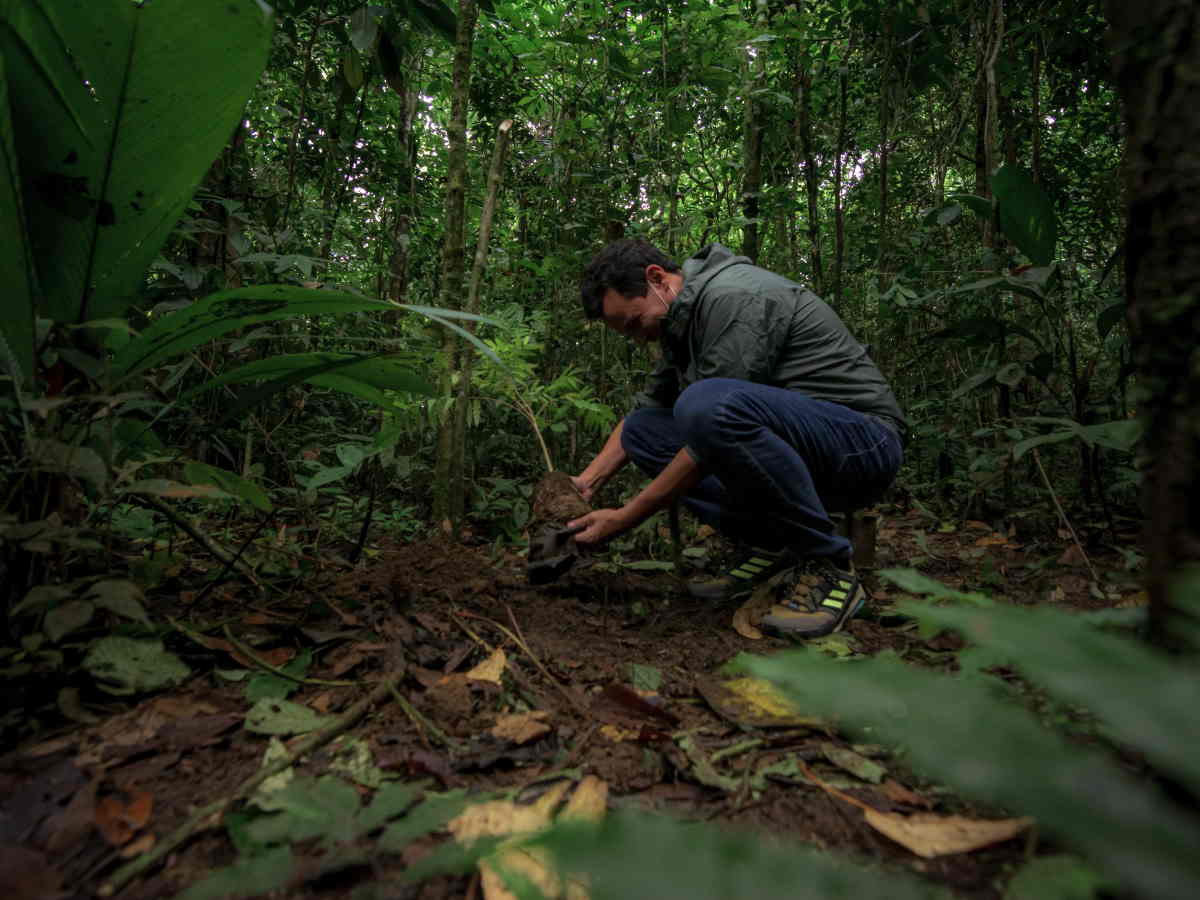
(820, 600)
(752, 568)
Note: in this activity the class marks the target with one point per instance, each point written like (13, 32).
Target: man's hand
(585, 488)
(600, 526)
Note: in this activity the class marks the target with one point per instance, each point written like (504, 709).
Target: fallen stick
(204, 818)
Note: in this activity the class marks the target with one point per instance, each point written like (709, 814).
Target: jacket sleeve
(740, 334)
(662, 388)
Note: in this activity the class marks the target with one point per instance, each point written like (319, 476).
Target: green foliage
(107, 142)
(1026, 214)
(972, 731)
(623, 859)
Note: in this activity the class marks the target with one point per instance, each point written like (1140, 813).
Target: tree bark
(752, 137)
(463, 390)
(839, 206)
(812, 174)
(453, 258)
(1156, 58)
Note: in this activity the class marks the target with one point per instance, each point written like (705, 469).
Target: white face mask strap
(659, 296)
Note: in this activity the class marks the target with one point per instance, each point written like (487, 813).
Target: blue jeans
(778, 461)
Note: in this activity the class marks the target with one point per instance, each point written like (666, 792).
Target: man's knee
(703, 408)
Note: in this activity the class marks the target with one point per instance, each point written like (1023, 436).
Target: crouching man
(763, 417)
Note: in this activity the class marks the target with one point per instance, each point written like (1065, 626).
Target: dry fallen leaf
(898, 793)
(137, 847)
(118, 820)
(521, 728)
(743, 626)
(617, 735)
(929, 835)
(491, 668)
(1072, 556)
(502, 817)
(754, 702)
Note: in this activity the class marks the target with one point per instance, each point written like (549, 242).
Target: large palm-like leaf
(121, 109)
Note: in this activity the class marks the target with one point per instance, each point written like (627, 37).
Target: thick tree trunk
(1156, 47)
(453, 258)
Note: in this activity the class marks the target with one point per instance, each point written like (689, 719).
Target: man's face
(638, 318)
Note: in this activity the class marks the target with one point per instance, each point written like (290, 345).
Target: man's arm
(611, 458)
(680, 476)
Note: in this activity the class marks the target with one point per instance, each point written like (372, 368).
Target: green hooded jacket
(732, 319)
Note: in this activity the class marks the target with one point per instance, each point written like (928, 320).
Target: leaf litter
(638, 712)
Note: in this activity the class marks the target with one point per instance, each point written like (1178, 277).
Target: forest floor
(608, 672)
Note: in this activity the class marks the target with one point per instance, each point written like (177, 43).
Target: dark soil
(434, 610)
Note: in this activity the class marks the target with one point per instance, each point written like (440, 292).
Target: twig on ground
(245, 651)
(736, 750)
(423, 724)
(237, 558)
(208, 816)
(1062, 515)
(199, 537)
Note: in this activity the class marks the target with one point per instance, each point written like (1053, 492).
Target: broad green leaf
(268, 685)
(176, 490)
(120, 596)
(432, 814)
(282, 717)
(1020, 448)
(978, 380)
(66, 618)
(40, 596)
(308, 808)
(981, 206)
(122, 109)
(225, 311)
(915, 583)
(963, 732)
(250, 876)
(1146, 699)
(365, 377)
(441, 316)
(1109, 318)
(328, 475)
(124, 665)
(17, 312)
(1026, 214)
(390, 802)
(644, 678)
(1010, 374)
(635, 856)
(49, 455)
(230, 483)
(1122, 434)
(364, 26)
(1056, 878)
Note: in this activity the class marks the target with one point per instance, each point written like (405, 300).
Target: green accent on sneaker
(748, 572)
(820, 599)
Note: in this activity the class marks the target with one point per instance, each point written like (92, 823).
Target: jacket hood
(698, 270)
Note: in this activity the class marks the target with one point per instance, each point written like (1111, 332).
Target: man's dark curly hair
(620, 266)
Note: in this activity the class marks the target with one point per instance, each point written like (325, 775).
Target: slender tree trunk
(752, 135)
(462, 398)
(839, 207)
(301, 112)
(1157, 56)
(453, 260)
(1036, 91)
(340, 184)
(812, 174)
(406, 143)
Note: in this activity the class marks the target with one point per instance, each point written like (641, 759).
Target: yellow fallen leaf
(929, 835)
(589, 801)
(521, 728)
(498, 818)
(743, 626)
(754, 702)
(491, 668)
(617, 735)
